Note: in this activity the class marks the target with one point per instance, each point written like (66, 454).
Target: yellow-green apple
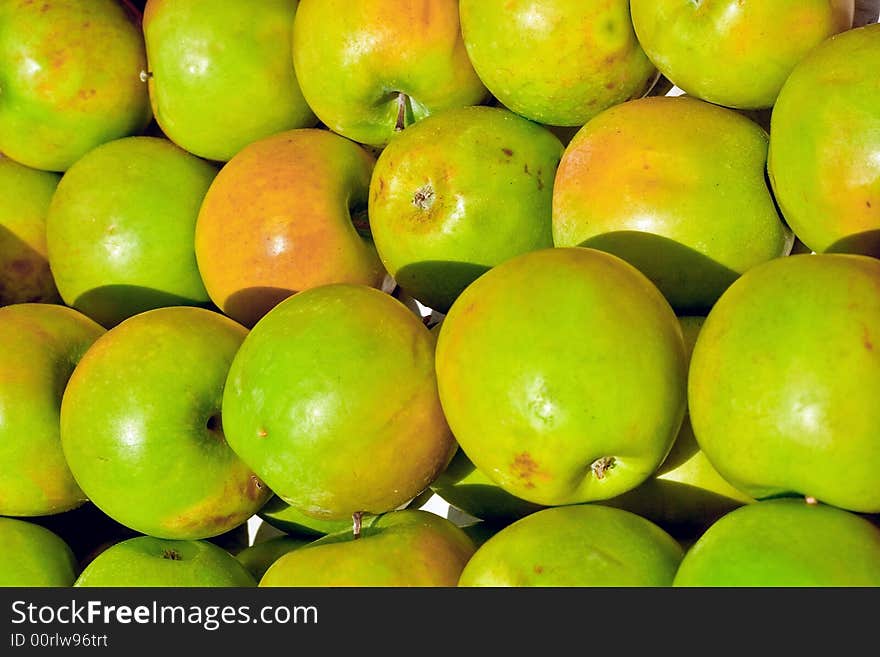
(70, 74)
(155, 562)
(558, 62)
(562, 374)
(400, 548)
(332, 399)
(258, 557)
(369, 69)
(221, 74)
(576, 545)
(34, 556)
(736, 53)
(686, 494)
(825, 145)
(285, 214)
(121, 229)
(676, 186)
(142, 431)
(459, 192)
(784, 378)
(784, 543)
(24, 263)
(41, 345)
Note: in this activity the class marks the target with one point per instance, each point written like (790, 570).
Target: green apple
(155, 562)
(784, 378)
(825, 139)
(784, 543)
(258, 557)
(70, 75)
(456, 194)
(558, 62)
(675, 186)
(24, 262)
(34, 556)
(686, 494)
(285, 214)
(332, 399)
(369, 69)
(468, 489)
(41, 345)
(562, 374)
(121, 229)
(142, 430)
(400, 548)
(736, 53)
(576, 545)
(221, 74)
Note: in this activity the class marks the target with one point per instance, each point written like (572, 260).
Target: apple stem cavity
(173, 555)
(356, 524)
(602, 465)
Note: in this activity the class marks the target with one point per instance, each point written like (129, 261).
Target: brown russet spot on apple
(539, 569)
(508, 152)
(866, 339)
(526, 468)
(173, 555)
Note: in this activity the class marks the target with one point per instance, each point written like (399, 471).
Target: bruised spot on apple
(285, 214)
(25, 276)
(69, 80)
(458, 193)
(562, 374)
(41, 345)
(137, 427)
(369, 70)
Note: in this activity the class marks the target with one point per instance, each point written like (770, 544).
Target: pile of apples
(601, 275)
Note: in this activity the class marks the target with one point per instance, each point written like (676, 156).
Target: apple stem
(356, 523)
(401, 112)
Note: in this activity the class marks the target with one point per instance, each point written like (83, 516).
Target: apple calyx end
(601, 466)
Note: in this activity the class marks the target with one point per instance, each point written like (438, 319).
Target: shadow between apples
(865, 243)
(249, 304)
(437, 283)
(690, 281)
(109, 305)
(25, 276)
